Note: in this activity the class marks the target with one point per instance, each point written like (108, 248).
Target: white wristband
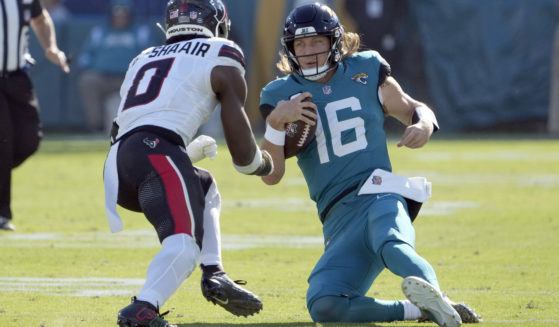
(274, 136)
(426, 114)
(251, 167)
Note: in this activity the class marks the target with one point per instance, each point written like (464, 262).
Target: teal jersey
(350, 141)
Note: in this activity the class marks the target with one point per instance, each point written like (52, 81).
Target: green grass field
(490, 230)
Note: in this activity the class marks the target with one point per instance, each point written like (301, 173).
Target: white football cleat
(427, 298)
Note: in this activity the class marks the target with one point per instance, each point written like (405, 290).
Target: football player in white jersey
(169, 91)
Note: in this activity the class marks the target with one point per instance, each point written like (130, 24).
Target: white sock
(411, 312)
(169, 268)
(211, 242)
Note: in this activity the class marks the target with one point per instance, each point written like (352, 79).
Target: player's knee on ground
(329, 308)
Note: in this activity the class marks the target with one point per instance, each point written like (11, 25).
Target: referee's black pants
(20, 129)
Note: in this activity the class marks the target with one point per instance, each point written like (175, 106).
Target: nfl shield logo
(377, 180)
(193, 15)
(174, 14)
(327, 89)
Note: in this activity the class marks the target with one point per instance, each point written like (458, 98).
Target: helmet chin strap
(313, 74)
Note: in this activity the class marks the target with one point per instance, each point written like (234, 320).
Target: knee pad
(329, 309)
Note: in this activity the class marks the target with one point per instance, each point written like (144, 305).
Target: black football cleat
(467, 314)
(218, 288)
(140, 314)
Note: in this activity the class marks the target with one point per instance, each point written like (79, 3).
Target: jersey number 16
(337, 128)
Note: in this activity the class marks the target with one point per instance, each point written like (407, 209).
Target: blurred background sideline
(482, 66)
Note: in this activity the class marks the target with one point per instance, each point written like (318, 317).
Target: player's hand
(416, 135)
(58, 57)
(201, 147)
(293, 110)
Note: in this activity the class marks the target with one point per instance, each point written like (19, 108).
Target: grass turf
(490, 231)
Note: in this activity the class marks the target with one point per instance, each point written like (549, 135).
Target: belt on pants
(324, 213)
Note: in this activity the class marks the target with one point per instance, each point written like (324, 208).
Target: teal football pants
(362, 236)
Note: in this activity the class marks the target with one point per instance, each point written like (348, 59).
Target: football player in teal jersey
(352, 92)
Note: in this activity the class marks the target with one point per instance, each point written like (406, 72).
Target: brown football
(298, 135)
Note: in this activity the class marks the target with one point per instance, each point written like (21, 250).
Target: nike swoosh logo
(221, 301)
(383, 196)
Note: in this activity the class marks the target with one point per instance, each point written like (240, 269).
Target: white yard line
(520, 180)
(276, 204)
(523, 321)
(515, 156)
(72, 286)
(431, 208)
(97, 286)
(148, 239)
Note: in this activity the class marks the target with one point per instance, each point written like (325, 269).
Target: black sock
(211, 269)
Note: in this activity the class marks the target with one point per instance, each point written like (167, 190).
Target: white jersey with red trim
(169, 86)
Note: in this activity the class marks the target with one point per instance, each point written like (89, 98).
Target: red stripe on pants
(176, 196)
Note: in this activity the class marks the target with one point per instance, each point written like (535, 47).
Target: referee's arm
(44, 30)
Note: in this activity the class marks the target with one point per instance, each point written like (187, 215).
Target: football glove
(201, 147)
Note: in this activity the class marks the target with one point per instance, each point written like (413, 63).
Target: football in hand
(298, 135)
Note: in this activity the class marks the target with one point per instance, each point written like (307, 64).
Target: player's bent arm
(293, 110)
(275, 149)
(396, 102)
(230, 88)
(44, 30)
(417, 116)
(274, 137)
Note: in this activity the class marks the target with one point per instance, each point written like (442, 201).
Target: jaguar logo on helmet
(196, 18)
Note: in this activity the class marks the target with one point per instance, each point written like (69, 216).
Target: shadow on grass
(296, 324)
(288, 324)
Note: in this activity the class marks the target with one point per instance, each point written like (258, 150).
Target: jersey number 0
(147, 83)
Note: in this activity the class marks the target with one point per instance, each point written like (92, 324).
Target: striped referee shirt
(15, 16)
